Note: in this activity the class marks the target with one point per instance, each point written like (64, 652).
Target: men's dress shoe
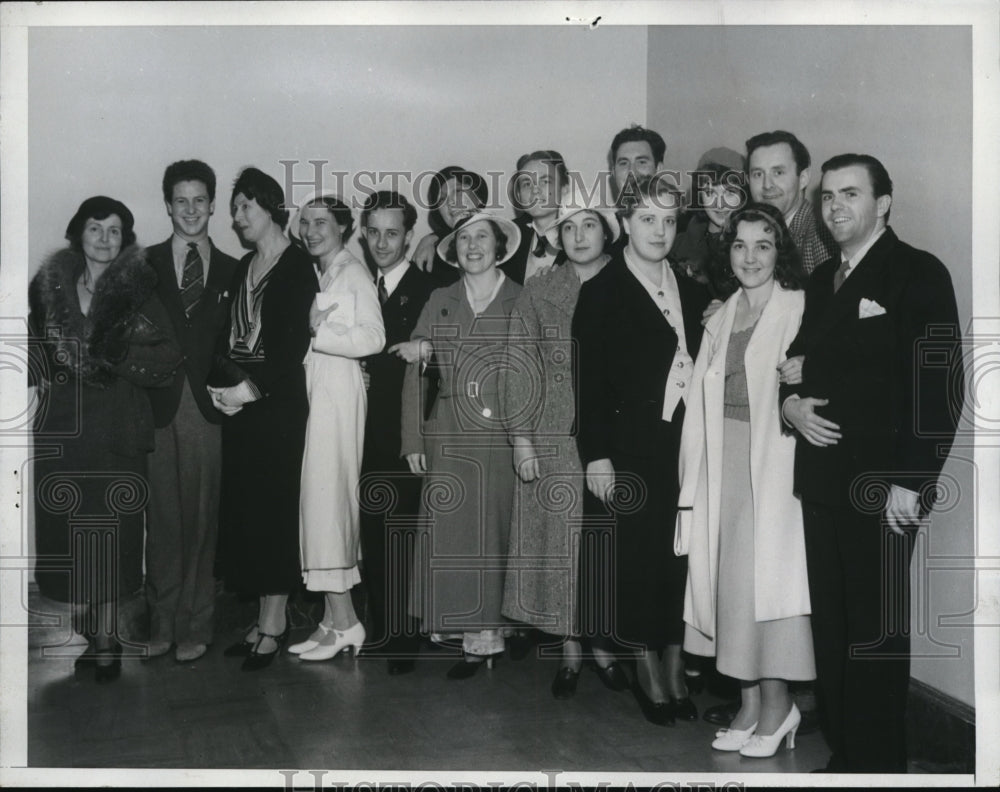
(613, 677)
(466, 668)
(564, 685)
(732, 739)
(810, 721)
(684, 708)
(241, 648)
(722, 714)
(157, 648)
(111, 672)
(188, 653)
(256, 660)
(401, 665)
(659, 712)
(763, 746)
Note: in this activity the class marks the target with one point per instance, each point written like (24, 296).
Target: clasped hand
(226, 400)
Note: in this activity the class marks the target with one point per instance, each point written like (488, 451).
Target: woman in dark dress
(637, 327)
(100, 336)
(261, 387)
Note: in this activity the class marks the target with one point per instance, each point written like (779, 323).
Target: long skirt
(748, 649)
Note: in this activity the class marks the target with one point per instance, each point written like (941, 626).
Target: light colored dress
(329, 524)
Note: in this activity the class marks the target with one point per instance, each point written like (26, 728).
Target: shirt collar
(394, 276)
(854, 260)
(180, 247)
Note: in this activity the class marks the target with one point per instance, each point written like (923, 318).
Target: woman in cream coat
(747, 597)
(346, 325)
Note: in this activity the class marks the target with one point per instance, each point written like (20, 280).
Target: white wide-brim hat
(573, 205)
(509, 228)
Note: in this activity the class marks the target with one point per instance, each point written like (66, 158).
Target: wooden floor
(349, 713)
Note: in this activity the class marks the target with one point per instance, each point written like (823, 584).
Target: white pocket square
(868, 308)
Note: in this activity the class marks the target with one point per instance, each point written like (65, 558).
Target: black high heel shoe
(466, 669)
(564, 685)
(256, 660)
(110, 672)
(659, 712)
(684, 708)
(612, 676)
(243, 647)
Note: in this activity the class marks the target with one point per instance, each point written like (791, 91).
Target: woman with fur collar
(99, 337)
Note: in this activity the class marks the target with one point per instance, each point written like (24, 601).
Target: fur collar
(92, 344)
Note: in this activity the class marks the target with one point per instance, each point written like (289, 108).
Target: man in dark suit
(874, 430)
(387, 521)
(535, 191)
(194, 285)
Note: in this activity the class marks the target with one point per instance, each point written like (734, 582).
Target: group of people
(648, 430)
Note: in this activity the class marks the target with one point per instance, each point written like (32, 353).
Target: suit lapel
(844, 304)
(162, 258)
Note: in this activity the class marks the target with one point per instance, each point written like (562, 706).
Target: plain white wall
(111, 107)
(904, 95)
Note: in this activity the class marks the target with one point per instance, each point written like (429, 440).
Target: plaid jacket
(811, 238)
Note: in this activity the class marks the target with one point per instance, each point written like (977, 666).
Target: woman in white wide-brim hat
(462, 449)
(543, 559)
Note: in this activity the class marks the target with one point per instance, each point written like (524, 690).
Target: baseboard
(940, 731)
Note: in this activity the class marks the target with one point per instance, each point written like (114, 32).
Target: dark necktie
(383, 294)
(840, 276)
(192, 279)
(543, 247)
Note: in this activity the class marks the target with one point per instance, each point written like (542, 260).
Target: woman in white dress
(346, 325)
(738, 521)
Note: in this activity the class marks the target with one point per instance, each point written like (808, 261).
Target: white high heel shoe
(331, 647)
(312, 641)
(761, 746)
(732, 739)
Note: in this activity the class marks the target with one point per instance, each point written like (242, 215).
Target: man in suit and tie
(184, 469)
(874, 429)
(778, 170)
(536, 191)
(387, 524)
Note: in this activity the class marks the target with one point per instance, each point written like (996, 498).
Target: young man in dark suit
(536, 191)
(184, 470)
(387, 222)
(874, 430)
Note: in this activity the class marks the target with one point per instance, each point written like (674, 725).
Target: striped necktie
(840, 276)
(192, 280)
(383, 293)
